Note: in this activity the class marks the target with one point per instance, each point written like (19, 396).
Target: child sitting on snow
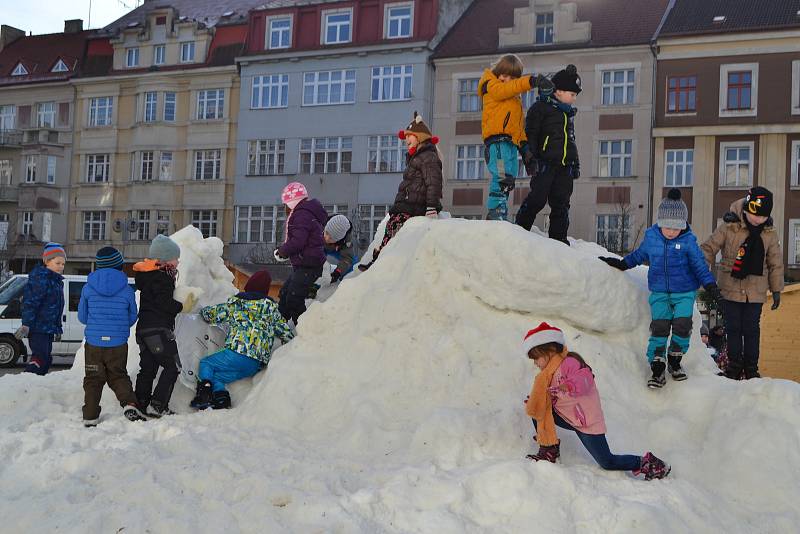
(254, 322)
(339, 246)
(677, 269)
(564, 394)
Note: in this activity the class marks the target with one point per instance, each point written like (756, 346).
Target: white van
(12, 349)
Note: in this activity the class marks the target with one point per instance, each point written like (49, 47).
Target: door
(73, 328)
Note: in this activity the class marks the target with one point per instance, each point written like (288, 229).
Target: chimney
(73, 26)
(9, 34)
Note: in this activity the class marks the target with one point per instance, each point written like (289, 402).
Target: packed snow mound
(201, 269)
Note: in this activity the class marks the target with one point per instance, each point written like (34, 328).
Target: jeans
(597, 446)
(743, 328)
(292, 297)
(501, 159)
(227, 366)
(552, 186)
(670, 311)
(41, 353)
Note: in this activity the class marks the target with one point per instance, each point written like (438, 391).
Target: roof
(39, 54)
(692, 17)
(476, 33)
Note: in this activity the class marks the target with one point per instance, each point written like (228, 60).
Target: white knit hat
(542, 334)
(337, 227)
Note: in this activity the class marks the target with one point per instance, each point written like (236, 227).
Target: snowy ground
(399, 409)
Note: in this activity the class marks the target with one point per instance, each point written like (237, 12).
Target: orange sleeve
(505, 90)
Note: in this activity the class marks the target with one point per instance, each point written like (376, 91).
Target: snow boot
(652, 467)
(91, 423)
(674, 366)
(202, 398)
(549, 453)
(659, 377)
(157, 410)
(363, 267)
(734, 370)
(751, 372)
(221, 400)
(132, 413)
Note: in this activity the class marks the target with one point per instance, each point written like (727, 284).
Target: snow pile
(398, 408)
(201, 268)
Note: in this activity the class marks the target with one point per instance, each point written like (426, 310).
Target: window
(51, 169)
(142, 217)
(27, 223)
(46, 114)
(187, 52)
(146, 166)
(205, 221)
(259, 224)
(30, 169)
(738, 90)
(796, 87)
(169, 106)
(75, 289)
(337, 27)
(6, 172)
(7, 117)
(47, 226)
(266, 156)
(210, 104)
(618, 87)
(100, 111)
(329, 87)
(615, 158)
(398, 20)
(19, 70)
(369, 217)
(614, 232)
(544, 28)
(207, 165)
(325, 155)
(165, 166)
(162, 222)
(270, 91)
(97, 168)
(794, 241)
(392, 83)
(795, 172)
(740, 85)
(334, 209)
(681, 94)
(678, 167)
(386, 153)
(280, 33)
(468, 100)
(60, 66)
(150, 104)
(159, 55)
(735, 166)
(469, 162)
(132, 57)
(94, 225)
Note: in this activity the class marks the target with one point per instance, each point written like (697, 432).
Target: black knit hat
(567, 80)
(758, 201)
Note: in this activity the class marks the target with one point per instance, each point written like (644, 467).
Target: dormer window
(398, 20)
(187, 52)
(132, 57)
(60, 66)
(19, 70)
(337, 26)
(280, 33)
(544, 28)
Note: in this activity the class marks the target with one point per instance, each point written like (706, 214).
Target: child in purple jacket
(304, 247)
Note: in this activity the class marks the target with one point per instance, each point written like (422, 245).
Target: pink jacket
(580, 404)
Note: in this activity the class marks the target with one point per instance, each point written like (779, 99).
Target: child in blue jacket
(677, 270)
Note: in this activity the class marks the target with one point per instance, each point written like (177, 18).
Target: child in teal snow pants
(670, 311)
(501, 159)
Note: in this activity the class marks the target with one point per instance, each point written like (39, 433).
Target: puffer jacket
(305, 244)
(421, 187)
(157, 308)
(676, 265)
(580, 404)
(727, 238)
(107, 308)
(551, 132)
(502, 107)
(43, 301)
(254, 322)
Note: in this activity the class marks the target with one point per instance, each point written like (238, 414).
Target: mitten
(530, 162)
(713, 290)
(776, 300)
(507, 185)
(336, 275)
(189, 303)
(545, 85)
(278, 256)
(22, 332)
(432, 213)
(575, 170)
(616, 263)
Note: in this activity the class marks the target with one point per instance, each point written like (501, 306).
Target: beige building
(611, 199)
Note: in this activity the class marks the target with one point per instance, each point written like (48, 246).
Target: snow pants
(226, 366)
(743, 328)
(157, 348)
(105, 365)
(553, 186)
(501, 159)
(41, 353)
(292, 297)
(393, 225)
(670, 311)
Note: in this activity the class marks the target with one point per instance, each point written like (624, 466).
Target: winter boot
(157, 410)
(221, 400)
(674, 365)
(549, 453)
(751, 372)
(734, 370)
(132, 413)
(202, 398)
(652, 467)
(91, 423)
(363, 267)
(659, 377)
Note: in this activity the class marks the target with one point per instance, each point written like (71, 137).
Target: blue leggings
(227, 366)
(597, 446)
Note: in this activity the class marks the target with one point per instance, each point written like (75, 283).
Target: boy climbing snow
(677, 270)
(254, 322)
(552, 161)
(339, 246)
(503, 128)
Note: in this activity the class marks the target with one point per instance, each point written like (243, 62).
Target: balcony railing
(10, 137)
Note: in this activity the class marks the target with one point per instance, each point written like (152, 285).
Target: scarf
(559, 105)
(540, 404)
(170, 270)
(750, 259)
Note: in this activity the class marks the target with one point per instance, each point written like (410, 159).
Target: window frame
(343, 84)
(150, 108)
(43, 116)
(27, 223)
(202, 162)
(6, 171)
(204, 103)
(544, 27)
(162, 219)
(326, 14)
(461, 166)
(468, 93)
(142, 218)
(92, 162)
(98, 104)
(197, 219)
(268, 214)
(795, 170)
(50, 177)
(628, 87)
(678, 90)
(793, 241)
(268, 149)
(624, 221)
(396, 146)
(266, 84)
(173, 103)
(388, 18)
(19, 70)
(8, 120)
(724, 70)
(99, 224)
(795, 87)
(610, 156)
(188, 46)
(31, 164)
(159, 53)
(161, 159)
(406, 86)
(132, 53)
(60, 66)
(315, 152)
(683, 165)
(724, 146)
(368, 222)
(271, 30)
(146, 167)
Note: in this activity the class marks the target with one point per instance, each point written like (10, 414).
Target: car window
(12, 289)
(75, 289)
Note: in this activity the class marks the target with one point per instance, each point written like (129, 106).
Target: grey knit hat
(672, 212)
(337, 227)
(163, 248)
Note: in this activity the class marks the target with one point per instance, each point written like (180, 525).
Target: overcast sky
(48, 16)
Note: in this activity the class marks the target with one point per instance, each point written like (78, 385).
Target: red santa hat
(542, 334)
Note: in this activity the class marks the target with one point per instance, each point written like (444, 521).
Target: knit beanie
(418, 129)
(541, 335)
(567, 79)
(293, 193)
(109, 257)
(259, 283)
(163, 248)
(758, 201)
(337, 227)
(672, 212)
(703, 330)
(53, 250)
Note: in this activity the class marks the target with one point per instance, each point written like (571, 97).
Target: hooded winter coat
(157, 308)
(502, 107)
(305, 244)
(107, 308)
(43, 301)
(580, 404)
(421, 187)
(551, 132)
(727, 238)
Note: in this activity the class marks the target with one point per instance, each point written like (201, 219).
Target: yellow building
(780, 357)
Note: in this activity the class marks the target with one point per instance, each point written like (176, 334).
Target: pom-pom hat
(541, 335)
(293, 194)
(418, 129)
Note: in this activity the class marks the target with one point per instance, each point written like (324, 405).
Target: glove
(575, 170)
(616, 263)
(776, 300)
(57, 337)
(507, 185)
(431, 213)
(312, 291)
(278, 256)
(530, 162)
(189, 303)
(336, 275)
(546, 87)
(22, 332)
(730, 217)
(715, 293)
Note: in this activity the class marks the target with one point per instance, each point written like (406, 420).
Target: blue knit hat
(163, 248)
(109, 258)
(53, 250)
